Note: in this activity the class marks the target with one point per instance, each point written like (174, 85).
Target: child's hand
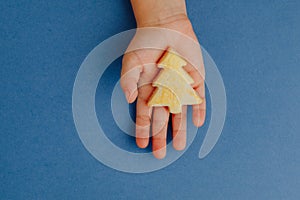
(139, 69)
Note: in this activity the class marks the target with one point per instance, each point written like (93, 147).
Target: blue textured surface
(256, 45)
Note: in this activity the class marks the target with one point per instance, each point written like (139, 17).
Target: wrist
(158, 12)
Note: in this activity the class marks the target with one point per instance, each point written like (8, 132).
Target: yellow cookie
(173, 84)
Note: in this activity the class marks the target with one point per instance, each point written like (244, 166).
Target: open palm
(138, 71)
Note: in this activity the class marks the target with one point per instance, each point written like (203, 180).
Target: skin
(139, 69)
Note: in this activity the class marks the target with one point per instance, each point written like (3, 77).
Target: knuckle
(143, 120)
(161, 138)
(142, 132)
(179, 118)
(160, 123)
(130, 60)
(179, 132)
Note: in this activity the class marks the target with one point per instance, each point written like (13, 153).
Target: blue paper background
(256, 45)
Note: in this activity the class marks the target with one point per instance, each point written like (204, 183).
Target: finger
(199, 110)
(143, 117)
(179, 129)
(131, 69)
(197, 74)
(159, 131)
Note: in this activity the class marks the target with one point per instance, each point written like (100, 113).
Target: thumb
(131, 69)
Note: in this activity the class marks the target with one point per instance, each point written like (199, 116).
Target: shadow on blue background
(256, 46)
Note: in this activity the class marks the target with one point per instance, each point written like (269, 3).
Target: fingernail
(142, 142)
(179, 143)
(160, 153)
(127, 95)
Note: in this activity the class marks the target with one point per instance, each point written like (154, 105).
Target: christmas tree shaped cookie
(172, 84)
